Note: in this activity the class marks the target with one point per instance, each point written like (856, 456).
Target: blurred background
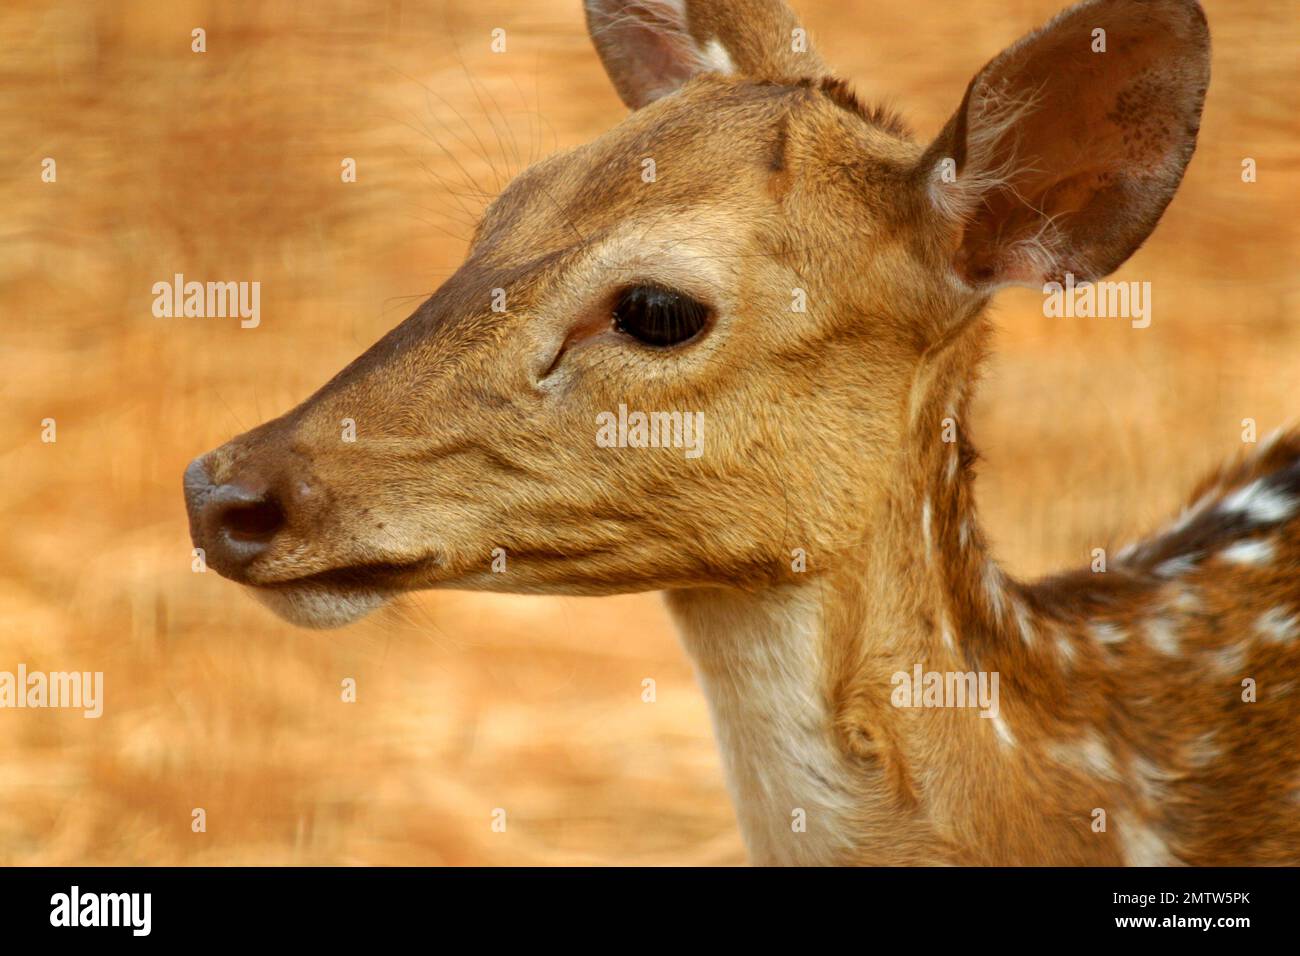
(226, 165)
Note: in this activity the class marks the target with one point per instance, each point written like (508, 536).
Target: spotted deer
(754, 245)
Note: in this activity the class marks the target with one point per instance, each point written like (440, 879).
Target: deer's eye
(657, 316)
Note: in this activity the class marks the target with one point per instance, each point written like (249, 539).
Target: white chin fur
(317, 607)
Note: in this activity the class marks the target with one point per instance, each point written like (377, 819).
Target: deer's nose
(233, 522)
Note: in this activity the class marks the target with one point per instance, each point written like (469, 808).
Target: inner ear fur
(1063, 156)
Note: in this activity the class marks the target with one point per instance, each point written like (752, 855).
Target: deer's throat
(761, 661)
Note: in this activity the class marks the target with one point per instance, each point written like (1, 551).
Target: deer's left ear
(651, 47)
(1069, 145)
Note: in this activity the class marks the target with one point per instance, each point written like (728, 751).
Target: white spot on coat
(945, 630)
(1161, 635)
(1152, 782)
(1187, 601)
(1104, 632)
(1142, 846)
(1227, 660)
(1089, 753)
(1023, 622)
(1176, 567)
(1004, 732)
(1277, 626)
(1204, 750)
(1254, 551)
(1260, 502)
(1065, 649)
(993, 589)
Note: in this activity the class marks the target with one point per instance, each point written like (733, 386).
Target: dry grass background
(226, 166)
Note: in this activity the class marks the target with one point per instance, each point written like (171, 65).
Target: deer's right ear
(1069, 145)
(651, 47)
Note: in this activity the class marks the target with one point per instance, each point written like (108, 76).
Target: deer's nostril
(233, 523)
(257, 520)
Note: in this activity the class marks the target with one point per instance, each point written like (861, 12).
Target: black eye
(658, 316)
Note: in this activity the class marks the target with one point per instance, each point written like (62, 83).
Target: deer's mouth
(339, 596)
(365, 576)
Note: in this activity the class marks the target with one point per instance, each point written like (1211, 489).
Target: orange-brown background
(225, 165)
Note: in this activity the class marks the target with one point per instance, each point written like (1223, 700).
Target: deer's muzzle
(235, 522)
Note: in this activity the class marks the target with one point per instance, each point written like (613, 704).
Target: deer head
(751, 247)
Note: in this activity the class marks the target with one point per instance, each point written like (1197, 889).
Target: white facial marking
(1255, 551)
(1277, 626)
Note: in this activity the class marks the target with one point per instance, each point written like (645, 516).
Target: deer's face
(696, 288)
(671, 354)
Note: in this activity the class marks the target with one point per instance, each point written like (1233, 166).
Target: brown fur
(475, 432)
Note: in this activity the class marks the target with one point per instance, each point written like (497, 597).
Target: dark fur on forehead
(841, 94)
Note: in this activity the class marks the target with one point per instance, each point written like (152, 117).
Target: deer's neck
(761, 659)
(823, 763)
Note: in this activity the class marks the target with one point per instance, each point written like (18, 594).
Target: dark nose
(234, 522)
